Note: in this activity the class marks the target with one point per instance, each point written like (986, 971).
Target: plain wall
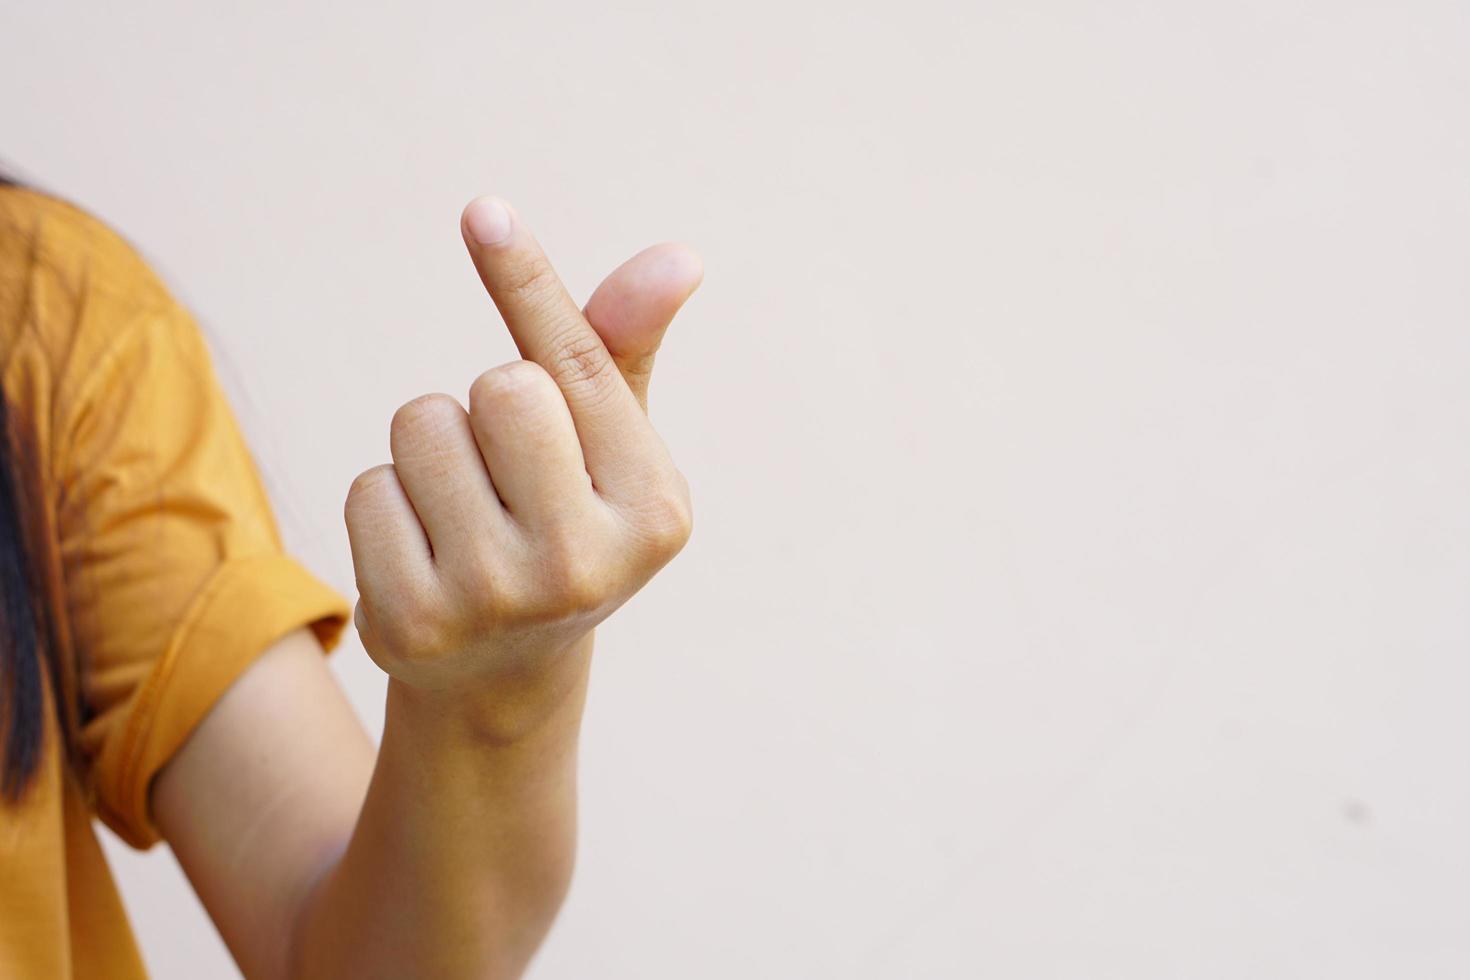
(1076, 408)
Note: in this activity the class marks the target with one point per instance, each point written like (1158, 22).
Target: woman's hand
(498, 538)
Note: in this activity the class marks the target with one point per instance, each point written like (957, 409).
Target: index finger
(548, 327)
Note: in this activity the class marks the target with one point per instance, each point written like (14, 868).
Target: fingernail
(488, 221)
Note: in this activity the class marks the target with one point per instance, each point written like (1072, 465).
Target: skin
(485, 553)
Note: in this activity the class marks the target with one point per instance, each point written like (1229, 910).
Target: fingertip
(678, 264)
(487, 221)
(687, 263)
(668, 272)
(633, 306)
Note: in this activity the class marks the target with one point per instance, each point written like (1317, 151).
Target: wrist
(503, 709)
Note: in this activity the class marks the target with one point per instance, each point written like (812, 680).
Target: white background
(1076, 408)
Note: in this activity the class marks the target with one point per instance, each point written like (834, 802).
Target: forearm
(465, 845)
(485, 554)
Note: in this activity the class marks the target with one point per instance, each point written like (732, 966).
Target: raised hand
(500, 536)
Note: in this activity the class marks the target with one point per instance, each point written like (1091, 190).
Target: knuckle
(509, 385)
(510, 604)
(368, 486)
(578, 592)
(410, 626)
(533, 283)
(423, 418)
(574, 582)
(580, 364)
(666, 517)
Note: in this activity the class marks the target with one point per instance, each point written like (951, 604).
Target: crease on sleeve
(245, 606)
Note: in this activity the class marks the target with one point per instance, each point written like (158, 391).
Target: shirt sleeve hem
(247, 605)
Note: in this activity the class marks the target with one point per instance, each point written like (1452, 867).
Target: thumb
(635, 304)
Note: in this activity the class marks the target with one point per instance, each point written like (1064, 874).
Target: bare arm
(485, 555)
(261, 804)
(464, 850)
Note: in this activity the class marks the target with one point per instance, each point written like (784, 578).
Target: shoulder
(46, 236)
(71, 286)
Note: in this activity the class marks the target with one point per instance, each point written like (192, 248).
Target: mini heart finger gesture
(502, 534)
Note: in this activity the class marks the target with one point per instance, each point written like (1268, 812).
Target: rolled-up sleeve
(175, 576)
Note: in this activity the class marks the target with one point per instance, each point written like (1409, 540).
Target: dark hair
(20, 659)
(24, 633)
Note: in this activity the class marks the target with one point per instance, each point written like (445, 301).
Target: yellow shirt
(164, 570)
